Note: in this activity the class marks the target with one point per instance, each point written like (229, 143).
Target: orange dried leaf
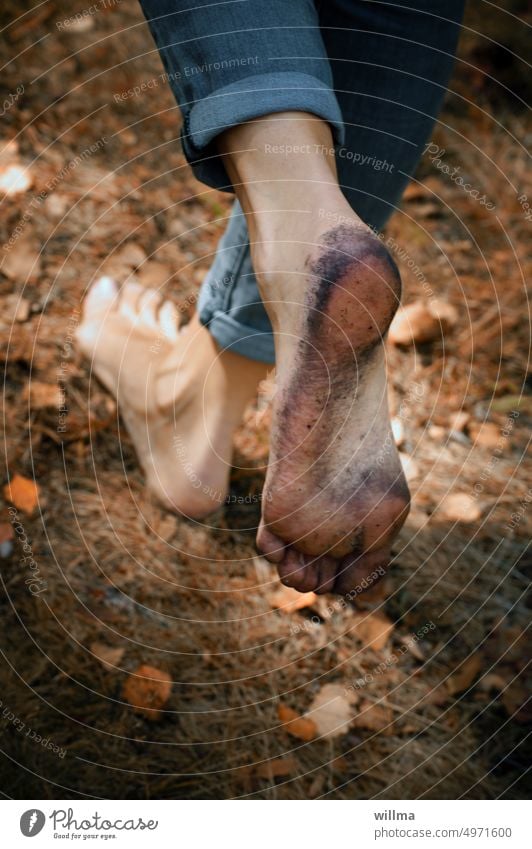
(277, 768)
(374, 717)
(437, 696)
(43, 395)
(296, 725)
(23, 261)
(289, 600)
(148, 690)
(374, 630)
(22, 492)
(6, 532)
(109, 656)
(464, 675)
(487, 434)
(331, 710)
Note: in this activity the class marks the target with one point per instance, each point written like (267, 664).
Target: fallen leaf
(332, 711)
(7, 535)
(56, 205)
(43, 395)
(81, 23)
(437, 432)
(517, 702)
(373, 716)
(492, 681)
(296, 725)
(13, 308)
(21, 261)
(289, 600)
(277, 768)
(459, 507)
(446, 314)
(464, 675)
(459, 421)
(23, 493)
(6, 532)
(508, 403)
(131, 254)
(374, 630)
(413, 647)
(422, 321)
(264, 570)
(437, 696)
(486, 434)
(154, 274)
(415, 191)
(316, 788)
(148, 690)
(109, 656)
(374, 596)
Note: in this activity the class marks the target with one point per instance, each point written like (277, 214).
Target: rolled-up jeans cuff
(234, 336)
(251, 97)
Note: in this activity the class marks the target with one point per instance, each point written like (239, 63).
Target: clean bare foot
(335, 495)
(179, 396)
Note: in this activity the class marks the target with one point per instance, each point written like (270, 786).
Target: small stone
(56, 205)
(410, 467)
(14, 180)
(398, 431)
(459, 507)
(422, 321)
(437, 433)
(459, 421)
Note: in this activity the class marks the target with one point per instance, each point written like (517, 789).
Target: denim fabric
(375, 71)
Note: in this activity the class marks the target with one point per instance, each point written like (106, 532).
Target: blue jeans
(375, 71)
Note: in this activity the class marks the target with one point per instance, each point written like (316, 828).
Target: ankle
(272, 161)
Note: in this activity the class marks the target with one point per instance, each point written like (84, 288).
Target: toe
(327, 569)
(357, 574)
(169, 321)
(299, 571)
(148, 305)
(130, 295)
(271, 546)
(97, 305)
(99, 298)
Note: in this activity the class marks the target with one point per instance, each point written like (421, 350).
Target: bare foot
(335, 495)
(179, 397)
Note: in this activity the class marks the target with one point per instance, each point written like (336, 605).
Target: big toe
(270, 545)
(356, 574)
(100, 298)
(99, 302)
(298, 570)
